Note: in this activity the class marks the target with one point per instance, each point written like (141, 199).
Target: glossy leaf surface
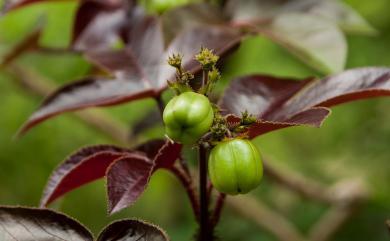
(25, 224)
(127, 179)
(279, 103)
(80, 168)
(132, 230)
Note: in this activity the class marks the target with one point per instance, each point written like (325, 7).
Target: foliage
(138, 71)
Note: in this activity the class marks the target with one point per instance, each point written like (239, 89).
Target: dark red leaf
(88, 93)
(164, 153)
(128, 176)
(127, 179)
(300, 103)
(80, 168)
(331, 10)
(151, 148)
(98, 25)
(22, 224)
(316, 41)
(189, 16)
(132, 230)
(167, 155)
(141, 70)
(301, 27)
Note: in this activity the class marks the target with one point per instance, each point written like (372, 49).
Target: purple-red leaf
(94, 162)
(167, 155)
(331, 10)
(164, 153)
(316, 41)
(189, 16)
(140, 69)
(132, 230)
(88, 93)
(127, 179)
(80, 168)
(279, 103)
(22, 224)
(98, 24)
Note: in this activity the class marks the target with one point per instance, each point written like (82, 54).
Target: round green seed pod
(235, 166)
(187, 117)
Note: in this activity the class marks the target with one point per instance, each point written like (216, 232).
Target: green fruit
(235, 166)
(188, 117)
(161, 6)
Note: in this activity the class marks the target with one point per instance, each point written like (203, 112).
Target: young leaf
(127, 179)
(132, 230)
(20, 224)
(82, 167)
(300, 103)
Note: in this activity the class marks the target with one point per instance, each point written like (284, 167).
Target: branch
(30, 42)
(303, 186)
(252, 209)
(350, 194)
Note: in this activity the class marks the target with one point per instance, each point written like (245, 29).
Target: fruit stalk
(204, 231)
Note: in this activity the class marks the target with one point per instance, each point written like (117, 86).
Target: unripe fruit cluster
(234, 165)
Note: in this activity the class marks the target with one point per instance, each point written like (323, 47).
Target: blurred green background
(353, 143)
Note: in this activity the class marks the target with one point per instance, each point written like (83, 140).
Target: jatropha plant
(219, 130)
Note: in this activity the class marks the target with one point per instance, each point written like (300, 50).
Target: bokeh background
(353, 143)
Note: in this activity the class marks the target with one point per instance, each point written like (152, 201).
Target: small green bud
(206, 58)
(175, 60)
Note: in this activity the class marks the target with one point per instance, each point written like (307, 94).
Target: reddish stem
(205, 232)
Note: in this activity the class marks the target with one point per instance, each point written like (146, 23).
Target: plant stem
(204, 232)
